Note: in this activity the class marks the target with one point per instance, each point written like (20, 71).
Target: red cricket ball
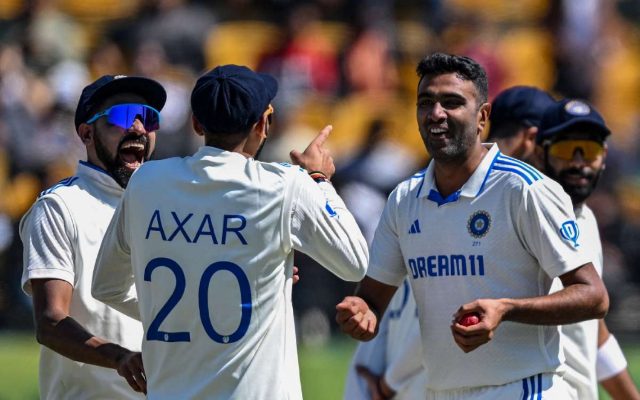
(469, 319)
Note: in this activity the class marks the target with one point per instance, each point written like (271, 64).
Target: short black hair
(465, 67)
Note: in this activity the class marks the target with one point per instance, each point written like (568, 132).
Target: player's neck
(451, 176)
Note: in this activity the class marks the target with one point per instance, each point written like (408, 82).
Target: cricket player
(82, 339)
(572, 148)
(201, 249)
(478, 232)
(515, 121)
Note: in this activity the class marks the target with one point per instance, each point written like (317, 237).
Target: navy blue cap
(231, 98)
(109, 85)
(524, 104)
(571, 114)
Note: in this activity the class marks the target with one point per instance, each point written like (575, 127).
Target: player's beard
(578, 193)
(457, 148)
(114, 165)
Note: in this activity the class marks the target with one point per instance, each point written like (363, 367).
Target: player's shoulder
(409, 188)
(160, 169)
(523, 180)
(282, 168)
(516, 174)
(65, 188)
(280, 173)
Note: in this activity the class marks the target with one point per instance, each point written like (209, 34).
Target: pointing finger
(322, 136)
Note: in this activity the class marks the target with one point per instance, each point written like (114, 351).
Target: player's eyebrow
(441, 96)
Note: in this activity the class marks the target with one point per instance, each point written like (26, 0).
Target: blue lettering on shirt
(191, 228)
(446, 265)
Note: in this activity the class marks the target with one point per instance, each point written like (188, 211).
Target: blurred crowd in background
(350, 63)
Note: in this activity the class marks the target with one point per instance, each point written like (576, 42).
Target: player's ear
(197, 126)
(483, 117)
(262, 126)
(85, 132)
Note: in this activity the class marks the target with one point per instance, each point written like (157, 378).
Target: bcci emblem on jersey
(479, 224)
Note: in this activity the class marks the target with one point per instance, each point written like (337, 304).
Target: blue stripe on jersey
(488, 173)
(515, 171)
(514, 162)
(419, 175)
(525, 389)
(65, 182)
(539, 387)
(525, 165)
(533, 387)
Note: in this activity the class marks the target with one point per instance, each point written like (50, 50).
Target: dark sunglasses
(124, 115)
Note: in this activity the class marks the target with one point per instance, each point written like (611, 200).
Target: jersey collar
(98, 175)
(472, 187)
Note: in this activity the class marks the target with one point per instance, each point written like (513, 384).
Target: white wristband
(611, 360)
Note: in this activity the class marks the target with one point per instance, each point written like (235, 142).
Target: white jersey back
(61, 236)
(506, 233)
(210, 240)
(580, 341)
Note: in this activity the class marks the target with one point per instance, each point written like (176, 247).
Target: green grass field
(322, 369)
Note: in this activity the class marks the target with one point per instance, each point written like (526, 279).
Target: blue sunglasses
(124, 116)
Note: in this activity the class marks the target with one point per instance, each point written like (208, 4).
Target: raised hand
(316, 157)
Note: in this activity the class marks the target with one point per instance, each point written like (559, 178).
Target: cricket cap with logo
(571, 114)
(519, 104)
(232, 98)
(108, 85)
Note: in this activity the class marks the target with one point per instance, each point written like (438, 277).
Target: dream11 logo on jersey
(569, 231)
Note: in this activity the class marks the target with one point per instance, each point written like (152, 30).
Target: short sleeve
(47, 238)
(549, 230)
(386, 263)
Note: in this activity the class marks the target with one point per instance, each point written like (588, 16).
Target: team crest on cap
(479, 224)
(577, 107)
(119, 76)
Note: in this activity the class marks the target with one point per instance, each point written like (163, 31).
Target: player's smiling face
(448, 116)
(121, 151)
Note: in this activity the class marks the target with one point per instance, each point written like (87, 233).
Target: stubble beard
(113, 164)
(454, 152)
(578, 194)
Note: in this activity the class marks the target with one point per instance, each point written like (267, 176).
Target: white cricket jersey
(506, 233)
(580, 341)
(201, 249)
(61, 236)
(395, 352)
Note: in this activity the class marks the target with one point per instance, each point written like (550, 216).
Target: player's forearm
(621, 386)
(68, 338)
(376, 294)
(578, 302)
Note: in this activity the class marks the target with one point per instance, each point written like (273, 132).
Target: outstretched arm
(56, 330)
(583, 297)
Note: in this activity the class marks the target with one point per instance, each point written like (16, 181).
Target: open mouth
(132, 154)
